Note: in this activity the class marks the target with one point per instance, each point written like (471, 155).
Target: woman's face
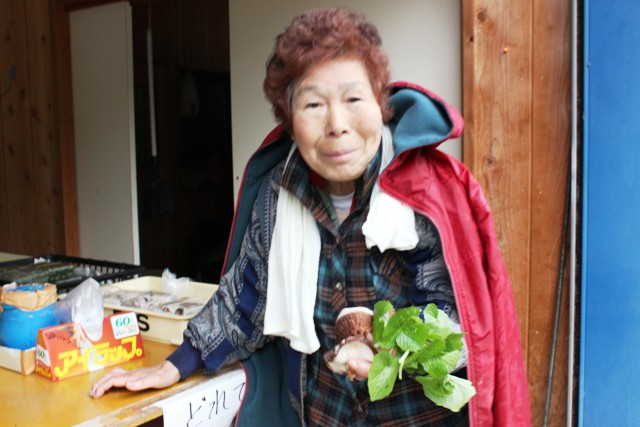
(337, 122)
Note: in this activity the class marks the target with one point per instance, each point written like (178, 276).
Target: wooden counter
(33, 400)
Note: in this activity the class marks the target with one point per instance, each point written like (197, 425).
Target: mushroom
(353, 332)
(357, 347)
(353, 321)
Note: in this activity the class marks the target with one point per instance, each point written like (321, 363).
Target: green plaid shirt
(352, 275)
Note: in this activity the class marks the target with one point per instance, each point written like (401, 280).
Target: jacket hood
(421, 118)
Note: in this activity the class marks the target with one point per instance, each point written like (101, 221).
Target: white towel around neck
(295, 252)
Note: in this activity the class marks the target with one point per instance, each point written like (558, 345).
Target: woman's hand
(359, 368)
(158, 376)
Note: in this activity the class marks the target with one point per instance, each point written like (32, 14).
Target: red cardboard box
(65, 350)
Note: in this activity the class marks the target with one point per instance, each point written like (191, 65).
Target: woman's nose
(337, 121)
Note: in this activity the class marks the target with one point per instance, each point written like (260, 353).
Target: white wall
(102, 78)
(421, 37)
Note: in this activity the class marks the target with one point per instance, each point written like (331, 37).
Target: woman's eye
(354, 99)
(312, 105)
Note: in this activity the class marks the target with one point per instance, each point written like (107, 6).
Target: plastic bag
(24, 309)
(83, 305)
(173, 285)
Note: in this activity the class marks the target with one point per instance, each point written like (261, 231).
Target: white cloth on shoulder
(390, 224)
(293, 274)
(295, 252)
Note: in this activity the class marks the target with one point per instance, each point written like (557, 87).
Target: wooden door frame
(516, 60)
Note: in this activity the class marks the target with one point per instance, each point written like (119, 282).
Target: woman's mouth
(339, 156)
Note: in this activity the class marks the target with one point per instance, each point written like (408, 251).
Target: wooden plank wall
(30, 205)
(517, 92)
(516, 58)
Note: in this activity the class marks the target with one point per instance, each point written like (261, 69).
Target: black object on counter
(65, 272)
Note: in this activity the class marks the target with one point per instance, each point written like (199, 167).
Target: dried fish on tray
(152, 301)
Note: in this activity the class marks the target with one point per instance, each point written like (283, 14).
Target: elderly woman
(346, 203)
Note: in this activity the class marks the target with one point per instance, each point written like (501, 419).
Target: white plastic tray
(156, 325)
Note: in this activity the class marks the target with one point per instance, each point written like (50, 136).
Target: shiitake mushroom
(353, 330)
(353, 321)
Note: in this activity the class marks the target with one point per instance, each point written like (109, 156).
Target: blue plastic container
(19, 328)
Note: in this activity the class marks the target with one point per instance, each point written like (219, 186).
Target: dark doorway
(188, 232)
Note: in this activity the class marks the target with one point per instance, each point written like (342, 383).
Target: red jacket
(454, 201)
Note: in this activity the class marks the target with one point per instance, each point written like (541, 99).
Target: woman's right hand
(159, 376)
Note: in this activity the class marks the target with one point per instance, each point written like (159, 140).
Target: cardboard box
(158, 325)
(21, 361)
(65, 350)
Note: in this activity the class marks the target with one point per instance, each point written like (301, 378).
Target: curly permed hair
(320, 35)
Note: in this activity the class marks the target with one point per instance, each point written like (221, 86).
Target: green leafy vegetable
(427, 350)
(386, 367)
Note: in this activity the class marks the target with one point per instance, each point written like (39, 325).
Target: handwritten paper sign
(212, 403)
